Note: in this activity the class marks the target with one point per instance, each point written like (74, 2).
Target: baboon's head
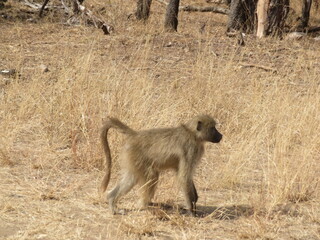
(205, 129)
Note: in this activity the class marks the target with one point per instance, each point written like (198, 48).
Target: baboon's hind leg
(123, 187)
(194, 197)
(148, 188)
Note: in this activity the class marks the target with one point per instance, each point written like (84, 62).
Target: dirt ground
(50, 173)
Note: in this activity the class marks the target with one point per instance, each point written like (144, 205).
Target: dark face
(215, 136)
(209, 132)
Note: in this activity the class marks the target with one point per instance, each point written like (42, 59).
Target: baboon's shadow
(223, 213)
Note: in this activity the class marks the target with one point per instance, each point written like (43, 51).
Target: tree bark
(272, 22)
(262, 15)
(171, 18)
(277, 15)
(143, 9)
(304, 21)
(242, 15)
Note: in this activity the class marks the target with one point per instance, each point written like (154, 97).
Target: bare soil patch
(261, 182)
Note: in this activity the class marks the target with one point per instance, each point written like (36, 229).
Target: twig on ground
(250, 65)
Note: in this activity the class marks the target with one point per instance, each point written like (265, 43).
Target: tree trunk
(277, 15)
(242, 15)
(171, 19)
(143, 9)
(306, 6)
(262, 15)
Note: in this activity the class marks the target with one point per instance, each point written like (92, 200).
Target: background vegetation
(260, 182)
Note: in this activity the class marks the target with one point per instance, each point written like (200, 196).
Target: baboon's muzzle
(216, 137)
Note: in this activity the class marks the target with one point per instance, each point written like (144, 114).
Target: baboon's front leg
(189, 190)
(191, 197)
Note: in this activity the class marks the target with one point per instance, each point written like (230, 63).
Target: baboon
(148, 152)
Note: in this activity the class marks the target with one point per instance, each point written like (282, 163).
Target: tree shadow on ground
(222, 213)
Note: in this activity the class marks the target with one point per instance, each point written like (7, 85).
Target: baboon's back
(157, 148)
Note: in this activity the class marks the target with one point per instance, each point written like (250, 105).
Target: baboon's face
(214, 135)
(207, 131)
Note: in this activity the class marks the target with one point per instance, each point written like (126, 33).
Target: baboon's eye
(199, 126)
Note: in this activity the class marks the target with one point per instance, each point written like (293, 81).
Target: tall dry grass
(270, 121)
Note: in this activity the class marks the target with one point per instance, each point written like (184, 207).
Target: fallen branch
(214, 9)
(79, 11)
(312, 29)
(243, 65)
(67, 9)
(190, 8)
(39, 6)
(163, 2)
(32, 5)
(90, 17)
(43, 7)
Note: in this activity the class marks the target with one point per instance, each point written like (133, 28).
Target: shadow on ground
(223, 213)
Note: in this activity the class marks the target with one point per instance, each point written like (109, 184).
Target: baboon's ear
(199, 126)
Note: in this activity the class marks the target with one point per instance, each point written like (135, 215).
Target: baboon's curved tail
(111, 123)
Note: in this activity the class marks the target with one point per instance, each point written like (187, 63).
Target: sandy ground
(47, 192)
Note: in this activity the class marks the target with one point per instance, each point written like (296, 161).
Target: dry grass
(261, 182)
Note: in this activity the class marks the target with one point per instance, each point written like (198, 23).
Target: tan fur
(148, 152)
